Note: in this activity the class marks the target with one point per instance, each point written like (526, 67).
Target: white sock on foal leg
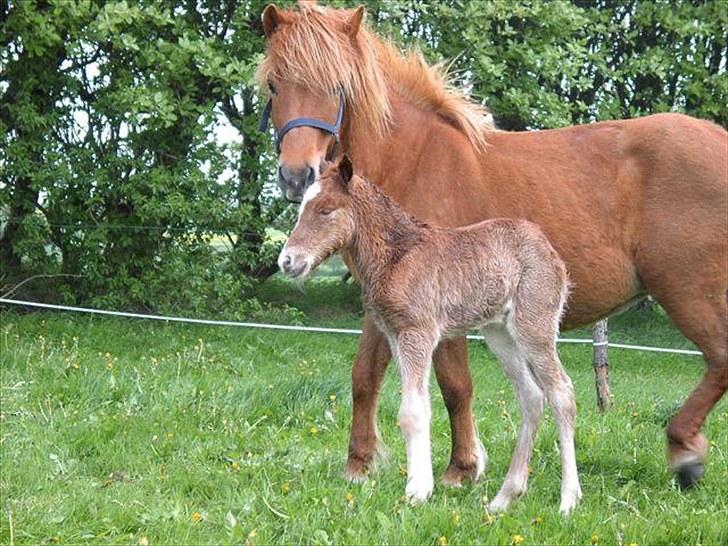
(414, 421)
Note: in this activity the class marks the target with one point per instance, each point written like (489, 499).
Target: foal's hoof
(689, 474)
(417, 492)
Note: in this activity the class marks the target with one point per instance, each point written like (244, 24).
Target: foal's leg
(413, 351)
(366, 380)
(544, 364)
(453, 377)
(530, 399)
(468, 457)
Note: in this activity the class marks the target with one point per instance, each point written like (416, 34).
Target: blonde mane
(312, 48)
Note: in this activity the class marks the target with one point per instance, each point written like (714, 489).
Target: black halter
(333, 130)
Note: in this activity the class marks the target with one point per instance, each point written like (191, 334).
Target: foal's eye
(272, 88)
(325, 212)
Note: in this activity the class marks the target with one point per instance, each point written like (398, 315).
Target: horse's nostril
(286, 261)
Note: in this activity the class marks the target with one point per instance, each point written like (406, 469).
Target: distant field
(133, 432)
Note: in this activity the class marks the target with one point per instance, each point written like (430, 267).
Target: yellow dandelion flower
(313, 430)
(110, 365)
(537, 520)
(594, 538)
(285, 487)
(442, 541)
(349, 497)
(632, 544)
(456, 517)
(517, 539)
(253, 533)
(196, 517)
(332, 397)
(143, 541)
(235, 466)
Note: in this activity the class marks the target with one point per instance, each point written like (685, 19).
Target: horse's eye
(272, 88)
(325, 212)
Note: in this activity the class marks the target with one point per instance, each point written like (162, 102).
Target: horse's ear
(354, 22)
(272, 17)
(346, 170)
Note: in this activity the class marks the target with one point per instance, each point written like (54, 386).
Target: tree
(108, 119)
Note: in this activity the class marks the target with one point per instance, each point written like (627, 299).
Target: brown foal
(423, 284)
(633, 207)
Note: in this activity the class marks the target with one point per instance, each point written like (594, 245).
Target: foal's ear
(346, 170)
(354, 22)
(272, 17)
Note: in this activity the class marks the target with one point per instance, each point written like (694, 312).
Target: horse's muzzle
(294, 182)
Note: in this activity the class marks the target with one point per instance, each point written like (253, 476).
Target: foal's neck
(384, 232)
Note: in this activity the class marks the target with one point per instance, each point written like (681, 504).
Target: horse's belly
(600, 283)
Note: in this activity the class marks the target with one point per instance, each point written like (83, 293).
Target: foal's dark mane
(374, 207)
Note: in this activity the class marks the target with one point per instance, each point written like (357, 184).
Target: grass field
(132, 432)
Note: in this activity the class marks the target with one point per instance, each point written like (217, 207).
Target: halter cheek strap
(333, 130)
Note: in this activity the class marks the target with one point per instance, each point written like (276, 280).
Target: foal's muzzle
(294, 182)
(292, 265)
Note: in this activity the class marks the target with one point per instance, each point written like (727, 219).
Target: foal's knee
(413, 415)
(563, 400)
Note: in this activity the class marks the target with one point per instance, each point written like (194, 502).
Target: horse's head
(312, 69)
(326, 222)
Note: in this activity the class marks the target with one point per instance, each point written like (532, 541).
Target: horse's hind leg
(530, 399)
(544, 364)
(468, 457)
(702, 316)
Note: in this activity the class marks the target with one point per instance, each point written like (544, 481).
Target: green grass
(125, 432)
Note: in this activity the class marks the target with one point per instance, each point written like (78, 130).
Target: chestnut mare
(422, 284)
(633, 207)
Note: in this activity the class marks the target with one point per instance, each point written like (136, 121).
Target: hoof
(457, 473)
(689, 474)
(356, 471)
(418, 492)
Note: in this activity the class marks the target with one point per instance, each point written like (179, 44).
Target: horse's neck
(384, 232)
(377, 157)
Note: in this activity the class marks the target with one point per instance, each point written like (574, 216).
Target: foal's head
(326, 222)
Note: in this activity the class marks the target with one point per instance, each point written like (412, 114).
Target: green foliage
(109, 112)
(111, 168)
(542, 63)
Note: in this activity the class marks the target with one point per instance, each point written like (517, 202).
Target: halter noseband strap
(333, 130)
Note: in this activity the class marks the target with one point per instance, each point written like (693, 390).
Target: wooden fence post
(601, 365)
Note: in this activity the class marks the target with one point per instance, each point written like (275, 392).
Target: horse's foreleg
(366, 379)
(468, 457)
(413, 352)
